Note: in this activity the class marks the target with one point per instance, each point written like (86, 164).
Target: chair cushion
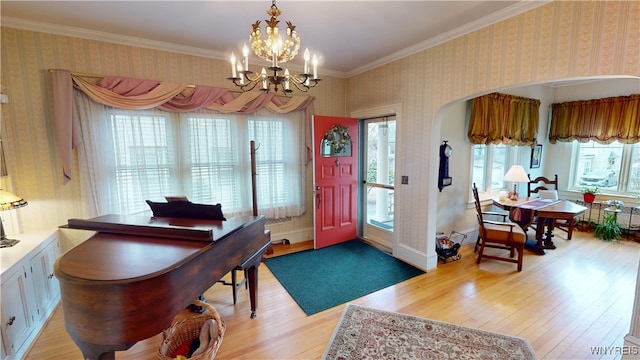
(500, 233)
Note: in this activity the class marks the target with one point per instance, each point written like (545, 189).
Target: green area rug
(321, 279)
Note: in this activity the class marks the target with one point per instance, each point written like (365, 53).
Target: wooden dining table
(546, 213)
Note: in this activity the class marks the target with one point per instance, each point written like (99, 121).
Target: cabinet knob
(11, 320)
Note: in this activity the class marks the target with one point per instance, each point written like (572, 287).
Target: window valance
(601, 120)
(130, 93)
(504, 119)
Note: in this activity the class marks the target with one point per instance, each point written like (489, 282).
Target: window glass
(634, 169)
(270, 161)
(479, 164)
(144, 161)
(206, 157)
(213, 162)
(599, 165)
(499, 166)
(490, 163)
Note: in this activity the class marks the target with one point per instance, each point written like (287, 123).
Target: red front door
(335, 180)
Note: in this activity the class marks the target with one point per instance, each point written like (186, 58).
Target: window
(490, 163)
(614, 167)
(143, 160)
(205, 156)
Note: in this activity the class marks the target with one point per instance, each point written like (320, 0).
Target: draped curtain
(504, 119)
(601, 120)
(130, 93)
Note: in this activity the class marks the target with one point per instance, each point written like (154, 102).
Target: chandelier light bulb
(240, 72)
(245, 55)
(306, 61)
(315, 66)
(233, 66)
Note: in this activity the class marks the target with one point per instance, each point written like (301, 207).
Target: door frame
(388, 110)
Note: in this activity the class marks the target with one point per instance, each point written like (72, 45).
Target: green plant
(609, 229)
(590, 190)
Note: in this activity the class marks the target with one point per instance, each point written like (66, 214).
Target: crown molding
(126, 40)
(511, 11)
(516, 9)
(108, 37)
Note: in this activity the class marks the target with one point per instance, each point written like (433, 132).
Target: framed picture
(536, 156)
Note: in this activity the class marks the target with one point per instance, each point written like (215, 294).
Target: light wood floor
(576, 297)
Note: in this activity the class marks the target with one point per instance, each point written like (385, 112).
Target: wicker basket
(188, 329)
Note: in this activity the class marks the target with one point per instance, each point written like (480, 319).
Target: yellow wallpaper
(558, 40)
(35, 172)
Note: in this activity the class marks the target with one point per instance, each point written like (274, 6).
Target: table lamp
(516, 174)
(8, 201)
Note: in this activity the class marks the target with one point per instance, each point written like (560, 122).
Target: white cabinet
(46, 288)
(17, 322)
(29, 291)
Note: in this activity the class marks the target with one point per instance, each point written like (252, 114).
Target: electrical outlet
(4, 99)
(405, 179)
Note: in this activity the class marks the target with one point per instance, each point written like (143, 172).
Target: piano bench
(235, 285)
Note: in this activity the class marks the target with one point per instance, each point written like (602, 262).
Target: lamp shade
(516, 174)
(9, 201)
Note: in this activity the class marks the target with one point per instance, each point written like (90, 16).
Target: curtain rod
(90, 75)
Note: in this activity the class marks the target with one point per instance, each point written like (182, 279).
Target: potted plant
(589, 193)
(614, 204)
(609, 229)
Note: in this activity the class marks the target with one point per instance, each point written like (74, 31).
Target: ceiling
(349, 36)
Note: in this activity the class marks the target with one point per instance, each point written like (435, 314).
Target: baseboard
(294, 236)
(631, 347)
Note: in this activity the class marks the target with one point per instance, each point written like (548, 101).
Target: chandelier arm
(301, 87)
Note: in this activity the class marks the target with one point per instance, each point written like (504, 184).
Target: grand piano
(128, 281)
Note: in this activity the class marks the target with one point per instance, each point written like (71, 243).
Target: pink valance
(139, 94)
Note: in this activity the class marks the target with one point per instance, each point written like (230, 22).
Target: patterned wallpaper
(558, 40)
(32, 161)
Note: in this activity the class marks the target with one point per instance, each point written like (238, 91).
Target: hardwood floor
(574, 298)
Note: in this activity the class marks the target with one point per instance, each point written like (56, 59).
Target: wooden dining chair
(498, 234)
(542, 184)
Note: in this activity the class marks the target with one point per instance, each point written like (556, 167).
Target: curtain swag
(601, 120)
(139, 94)
(504, 119)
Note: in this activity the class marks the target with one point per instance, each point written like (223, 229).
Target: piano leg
(252, 277)
(100, 352)
(251, 267)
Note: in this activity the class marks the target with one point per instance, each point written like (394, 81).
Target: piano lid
(174, 228)
(133, 247)
(124, 258)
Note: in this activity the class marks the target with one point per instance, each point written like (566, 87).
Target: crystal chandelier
(276, 50)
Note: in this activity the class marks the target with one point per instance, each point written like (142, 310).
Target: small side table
(615, 212)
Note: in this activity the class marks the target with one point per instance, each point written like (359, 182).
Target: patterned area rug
(364, 333)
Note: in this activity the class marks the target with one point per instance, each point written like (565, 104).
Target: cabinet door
(45, 283)
(16, 322)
